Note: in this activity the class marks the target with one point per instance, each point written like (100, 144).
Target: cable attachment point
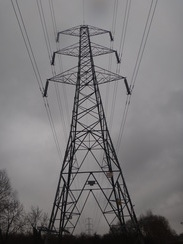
(53, 59)
(57, 39)
(110, 34)
(46, 89)
(127, 86)
(117, 57)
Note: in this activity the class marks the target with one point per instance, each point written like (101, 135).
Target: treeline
(84, 239)
(14, 221)
(17, 226)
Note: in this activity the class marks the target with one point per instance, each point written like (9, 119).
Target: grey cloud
(151, 150)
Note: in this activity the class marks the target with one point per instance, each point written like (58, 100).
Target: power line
(115, 8)
(28, 46)
(122, 41)
(49, 50)
(53, 128)
(144, 41)
(54, 24)
(52, 11)
(44, 27)
(123, 35)
(30, 52)
(148, 24)
(114, 19)
(83, 12)
(124, 28)
(56, 86)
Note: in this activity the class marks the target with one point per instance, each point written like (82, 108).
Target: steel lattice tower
(90, 155)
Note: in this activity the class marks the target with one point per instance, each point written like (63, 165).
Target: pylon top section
(85, 50)
(75, 31)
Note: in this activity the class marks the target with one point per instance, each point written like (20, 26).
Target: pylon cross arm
(73, 51)
(70, 77)
(105, 76)
(75, 31)
(67, 77)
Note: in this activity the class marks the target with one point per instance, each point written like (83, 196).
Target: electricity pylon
(89, 226)
(90, 157)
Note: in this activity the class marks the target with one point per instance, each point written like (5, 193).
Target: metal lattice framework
(90, 155)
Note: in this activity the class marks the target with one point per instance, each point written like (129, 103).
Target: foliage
(156, 228)
(83, 238)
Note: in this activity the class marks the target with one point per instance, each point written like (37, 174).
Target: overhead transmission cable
(115, 10)
(145, 35)
(52, 11)
(44, 27)
(114, 19)
(58, 95)
(53, 17)
(28, 45)
(124, 28)
(125, 22)
(121, 49)
(49, 49)
(83, 12)
(30, 52)
(108, 86)
(144, 41)
(61, 110)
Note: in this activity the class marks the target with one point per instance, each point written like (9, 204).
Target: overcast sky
(151, 150)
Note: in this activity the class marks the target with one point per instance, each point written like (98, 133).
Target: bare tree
(12, 218)
(5, 189)
(11, 211)
(36, 218)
